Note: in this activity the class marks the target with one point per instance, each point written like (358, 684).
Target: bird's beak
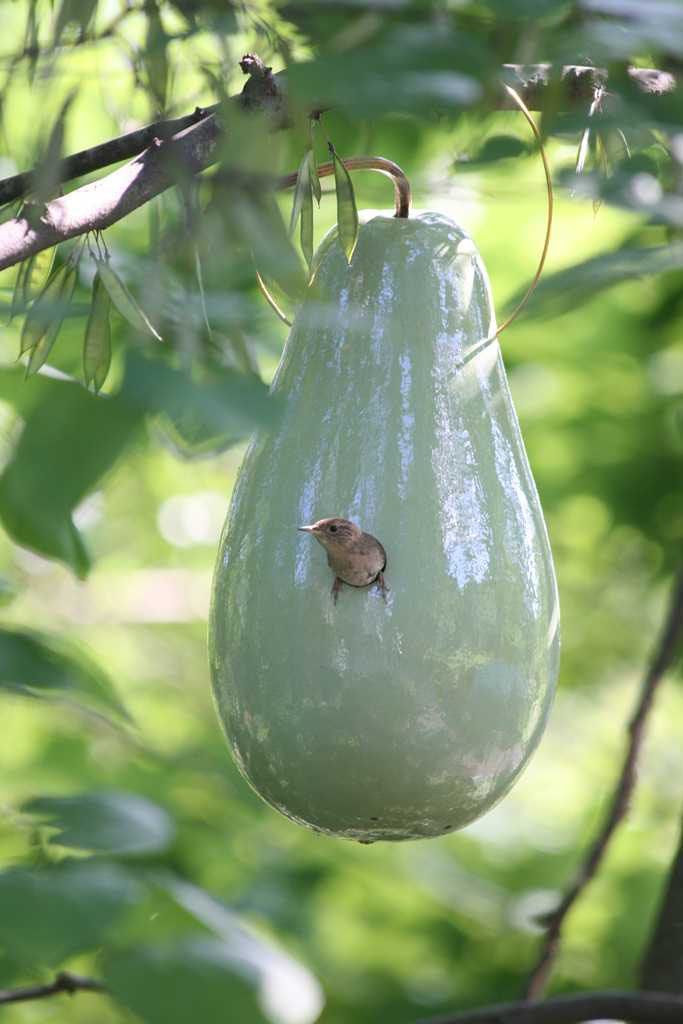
(305, 529)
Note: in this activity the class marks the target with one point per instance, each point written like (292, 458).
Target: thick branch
(532, 82)
(662, 658)
(107, 153)
(262, 91)
(64, 982)
(636, 1007)
(103, 202)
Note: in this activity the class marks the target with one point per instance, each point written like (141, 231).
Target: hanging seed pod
(45, 317)
(97, 341)
(38, 273)
(347, 211)
(125, 302)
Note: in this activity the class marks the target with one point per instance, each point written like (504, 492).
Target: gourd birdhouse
(410, 712)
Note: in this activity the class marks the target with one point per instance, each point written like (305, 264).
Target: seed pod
(97, 342)
(347, 211)
(45, 317)
(127, 304)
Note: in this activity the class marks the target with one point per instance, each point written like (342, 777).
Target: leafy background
(126, 832)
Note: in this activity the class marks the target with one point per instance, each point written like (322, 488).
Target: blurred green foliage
(126, 831)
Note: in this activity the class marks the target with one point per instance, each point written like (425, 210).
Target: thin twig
(662, 658)
(636, 1007)
(64, 982)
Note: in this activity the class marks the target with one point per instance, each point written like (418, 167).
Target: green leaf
(497, 147)
(276, 299)
(41, 350)
(78, 11)
(564, 290)
(70, 439)
(54, 913)
(49, 308)
(110, 822)
(413, 67)
(315, 178)
(206, 412)
(194, 979)
(38, 273)
(276, 974)
(18, 291)
(307, 185)
(34, 665)
(241, 352)
(301, 190)
(8, 591)
(261, 226)
(31, 39)
(583, 151)
(155, 55)
(200, 976)
(97, 341)
(124, 301)
(46, 176)
(306, 236)
(347, 211)
(202, 293)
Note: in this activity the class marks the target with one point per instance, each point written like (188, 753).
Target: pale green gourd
(411, 718)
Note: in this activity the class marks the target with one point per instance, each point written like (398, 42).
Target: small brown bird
(355, 557)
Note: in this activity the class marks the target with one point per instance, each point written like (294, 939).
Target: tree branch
(663, 959)
(64, 982)
(101, 203)
(636, 1007)
(112, 152)
(262, 90)
(662, 658)
(532, 81)
(188, 144)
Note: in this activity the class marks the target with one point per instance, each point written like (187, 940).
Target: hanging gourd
(406, 710)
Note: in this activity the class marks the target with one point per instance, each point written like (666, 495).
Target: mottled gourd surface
(411, 717)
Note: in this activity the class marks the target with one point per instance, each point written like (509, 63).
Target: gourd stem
(402, 205)
(367, 163)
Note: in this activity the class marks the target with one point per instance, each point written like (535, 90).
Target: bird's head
(333, 533)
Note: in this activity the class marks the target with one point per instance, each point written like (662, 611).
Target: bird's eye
(333, 528)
